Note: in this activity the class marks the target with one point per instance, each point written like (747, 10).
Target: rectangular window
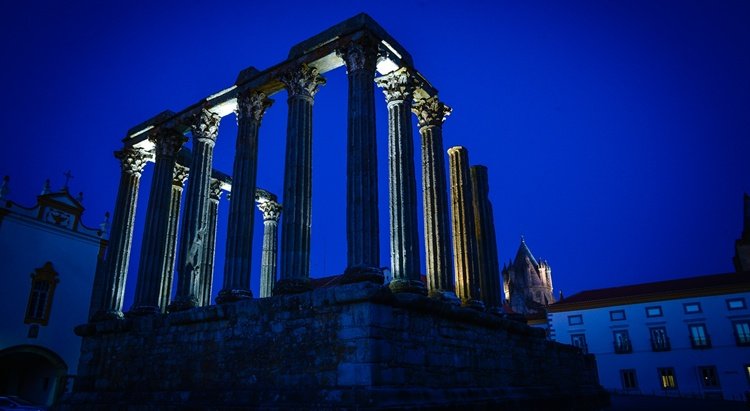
(699, 337)
(659, 339)
(629, 382)
(579, 340)
(742, 332)
(653, 311)
(692, 308)
(736, 304)
(575, 319)
(622, 342)
(667, 378)
(709, 377)
(617, 315)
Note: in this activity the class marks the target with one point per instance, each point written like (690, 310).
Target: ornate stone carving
(214, 190)
(253, 105)
(397, 86)
(167, 142)
(360, 55)
(271, 210)
(304, 81)
(206, 126)
(179, 175)
(430, 111)
(132, 160)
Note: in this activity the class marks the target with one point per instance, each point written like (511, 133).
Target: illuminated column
(464, 240)
(115, 272)
(271, 212)
(484, 226)
(154, 244)
(398, 88)
(362, 221)
(179, 176)
(195, 220)
(207, 269)
(301, 85)
(431, 114)
(237, 264)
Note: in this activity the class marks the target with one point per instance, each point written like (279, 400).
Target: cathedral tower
(527, 283)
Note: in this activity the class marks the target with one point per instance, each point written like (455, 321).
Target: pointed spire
(561, 296)
(80, 197)
(4, 189)
(68, 175)
(45, 188)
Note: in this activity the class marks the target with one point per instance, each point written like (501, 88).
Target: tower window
(43, 283)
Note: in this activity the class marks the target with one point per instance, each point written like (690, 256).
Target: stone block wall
(346, 347)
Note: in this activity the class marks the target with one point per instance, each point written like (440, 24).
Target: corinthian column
(179, 175)
(109, 299)
(302, 84)
(195, 221)
(431, 114)
(237, 264)
(464, 240)
(154, 244)
(398, 88)
(362, 221)
(207, 270)
(271, 212)
(484, 226)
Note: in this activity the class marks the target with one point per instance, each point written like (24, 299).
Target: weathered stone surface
(353, 346)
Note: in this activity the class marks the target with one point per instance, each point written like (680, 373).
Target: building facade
(48, 262)
(685, 337)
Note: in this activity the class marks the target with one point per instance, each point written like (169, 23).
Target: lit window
(742, 332)
(579, 340)
(709, 377)
(622, 342)
(699, 337)
(736, 304)
(617, 315)
(659, 339)
(692, 308)
(575, 319)
(629, 382)
(43, 283)
(653, 311)
(667, 378)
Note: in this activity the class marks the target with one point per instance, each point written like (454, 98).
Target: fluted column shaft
(238, 262)
(154, 243)
(195, 219)
(132, 162)
(484, 226)
(271, 212)
(405, 268)
(207, 270)
(301, 85)
(179, 176)
(431, 114)
(464, 236)
(362, 220)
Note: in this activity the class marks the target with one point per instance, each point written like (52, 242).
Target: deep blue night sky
(617, 134)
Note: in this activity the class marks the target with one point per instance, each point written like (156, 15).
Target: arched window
(43, 283)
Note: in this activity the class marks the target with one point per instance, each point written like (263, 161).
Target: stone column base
(182, 304)
(292, 286)
(408, 286)
(230, 296)
(143, 310)
(361, 274)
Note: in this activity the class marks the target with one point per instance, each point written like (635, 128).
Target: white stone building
(686, 337)
(48, 263)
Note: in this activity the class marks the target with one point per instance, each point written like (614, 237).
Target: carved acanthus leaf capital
(303, 81)
(271, 210)
(397, 86)
(205, 126)
(132, 160)
(360, 55)
(252, 105)
(179, 175)
(430, 111)
(214, 189)
(167, 142)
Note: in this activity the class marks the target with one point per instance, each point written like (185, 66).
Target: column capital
(397, 86)
(271, 210)
(303, 81)
(132, 160)
(205, 126)
(359, 55)
(252, 105)
(167, 142)
(430, 111)
(214, 190)
(179, 175)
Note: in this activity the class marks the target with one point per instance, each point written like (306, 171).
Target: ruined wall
(354, 345)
